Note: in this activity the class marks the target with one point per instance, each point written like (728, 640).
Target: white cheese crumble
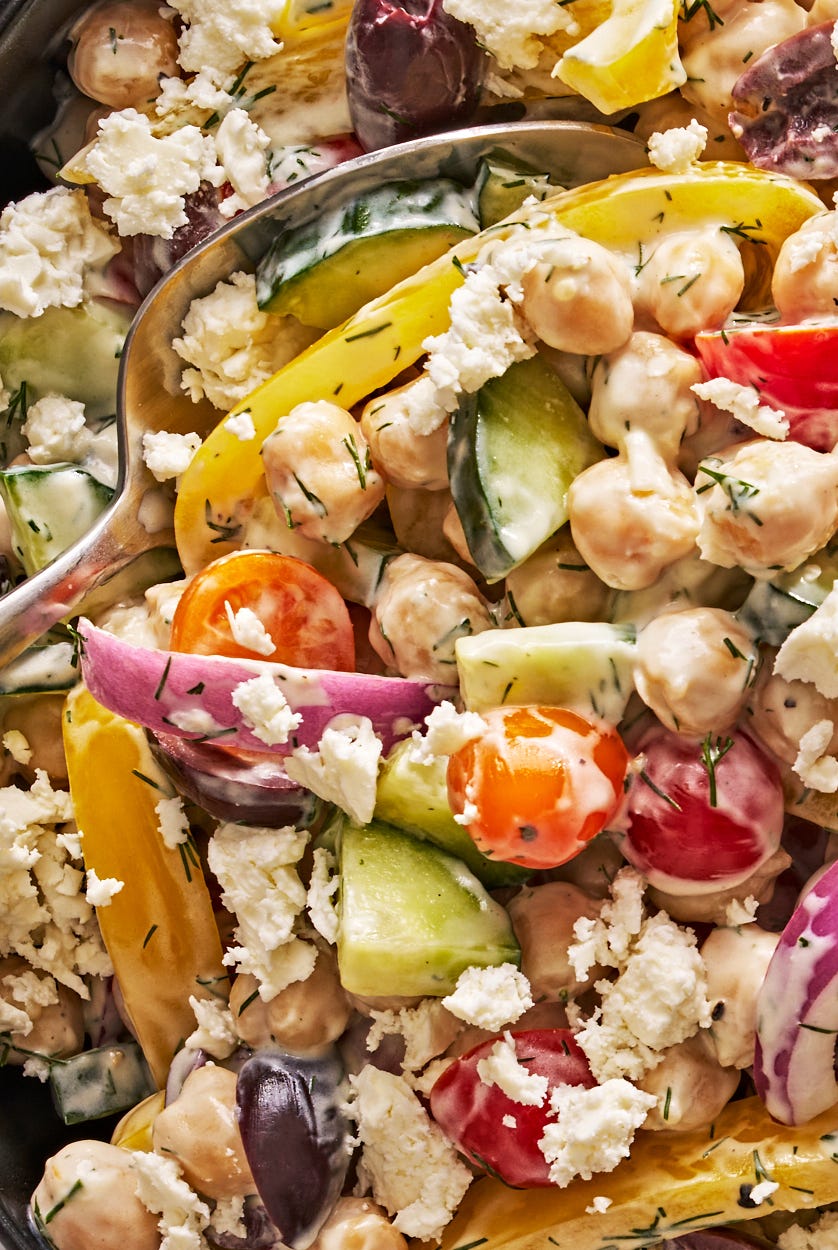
(248, 631)
(147, 177)
(743, 404)
(100, 891)
(427, 1029)
(599, 1205)
(447, 730)
(168, 455)
(172, 823)
(265, 709)
(256, 869)
(407, 1162)
(501, 1067)
(490, 997)
(49, 246)
(17, 746)
(810, 653)
(763, 1190)
(241, 146)
(513, 33)
(741, 911)
(320, 898)
(674, 150)
(222, 34)
(216, 1031)
(344, 768)
(823, 1234)
(164, 1192)
(194, 720)
(55, 430)
(241, 424)
(816, 768)
(594, 1130)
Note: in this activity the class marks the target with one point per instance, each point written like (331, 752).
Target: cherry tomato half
(538, 785)
(304, 616)
(793, 368)
(497, 1133)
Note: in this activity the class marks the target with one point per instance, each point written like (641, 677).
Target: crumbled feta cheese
(168, 455)
(172, 822)
(743, 404)
(14, 1019)
(263, 706)
(501, 1067)
(228, 1217)
(204, 91)
(248, 631)
(256, 869)
(509, 1121)
(810, 653)
(446, 731)
(741, 911)
(320, 899)
(17, 746)
(599, 1205)
(816, 768)
(594, 1130)
(513, 34)
(194, 720)
(49, 244)
(407, 1162)
(763, 1190)
(823, 1234)
(428, 1029)
(232, 346)
(146, 177)
(100, 891)
(241, 424)
(225, 33)
(216, 1031)
(241, 146)
(344, 769)
(55, 431)
(674, 150)
(609, 939)
(164, 1192)
(490, 997)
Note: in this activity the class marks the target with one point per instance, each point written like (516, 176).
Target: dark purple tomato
(411, 70)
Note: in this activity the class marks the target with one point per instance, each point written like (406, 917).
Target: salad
(436, 844)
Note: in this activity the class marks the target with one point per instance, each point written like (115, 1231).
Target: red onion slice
(797, 1010)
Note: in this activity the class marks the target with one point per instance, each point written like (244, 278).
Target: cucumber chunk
(504, 182)
(412, 918)
(49, 506)
(585, 666)
(100, 1082)
(324, 272)
(514, 447)
(49, 665)
(414, 797)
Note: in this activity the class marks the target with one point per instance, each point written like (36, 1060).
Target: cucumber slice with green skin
(49, 665)
(504, 182)
(414, 797)
(585, 666)
(514, 447)
(49, 507)
(412, 918)
(324, 272)
(100, 1082)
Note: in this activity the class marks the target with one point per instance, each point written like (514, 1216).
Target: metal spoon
(149, 395)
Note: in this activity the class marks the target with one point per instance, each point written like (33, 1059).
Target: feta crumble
(265, 709)
(164, 1192)
(222, 34)
(344, 769)
(594, 1130)
(320, 898)
(674, 150)
(241, 424)
(216, 1031)
(501, 1067)
(816, 768)
(513, 34)
(17, 746)
(762, 1191)
(742, 402)
(248, 631)
(810, 653)
(101, 891)
(447, 730)
(172, 822)
(823, 1234)
(490, 997)
(241, 146)
(194, 720)
(741, 911)
(55, 430)
(168, 455)
(599, 1205)
(428, 1029)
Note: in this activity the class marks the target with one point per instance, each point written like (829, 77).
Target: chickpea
(594, 868)
(319, 472)
(645, 385)
(121, 49)
(783, 711)
(453, 532)
(38, 718)
(543, 918)
(713, 907)
(418, 520)
(200, 1132)
(577, 298)
(694, 669)
(305, 1016)
(358, 1224)
(555, 584)
(691, 281)
(89, 1193)
(56, 1013)
(422, 608)
(736, 960)
(399, 452)
(629, 537)
(770, 505)
(805, 280)
(691, 1086)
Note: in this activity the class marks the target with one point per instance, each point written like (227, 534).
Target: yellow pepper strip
(671, 1184)
(159, 929)
(133, 1132)
(298, 18)
(627, 212)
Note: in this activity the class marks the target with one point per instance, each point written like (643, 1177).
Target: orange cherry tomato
(538, 784)
(300, 611)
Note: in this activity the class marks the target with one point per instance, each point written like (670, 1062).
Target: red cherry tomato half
(793, 368)
(497, 1133)
(307, 620)
(703, 815)
(538, 785)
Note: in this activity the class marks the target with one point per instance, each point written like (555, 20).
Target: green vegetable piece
(49, 507)
(100, 1082)
(504, 182)
(411, 917)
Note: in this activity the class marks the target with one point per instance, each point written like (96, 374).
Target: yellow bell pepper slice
(298, 18)
(670, 1185)
(159, 930)
(134, 1130)
(627, 212)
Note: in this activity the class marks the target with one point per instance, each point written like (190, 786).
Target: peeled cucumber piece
(411, 918)
(49, 506)
(324, 272)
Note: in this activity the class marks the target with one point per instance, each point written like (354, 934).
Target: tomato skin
(471, 1112)
(794, 368)
(700, 846)
(538, 785)
(306, 617)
